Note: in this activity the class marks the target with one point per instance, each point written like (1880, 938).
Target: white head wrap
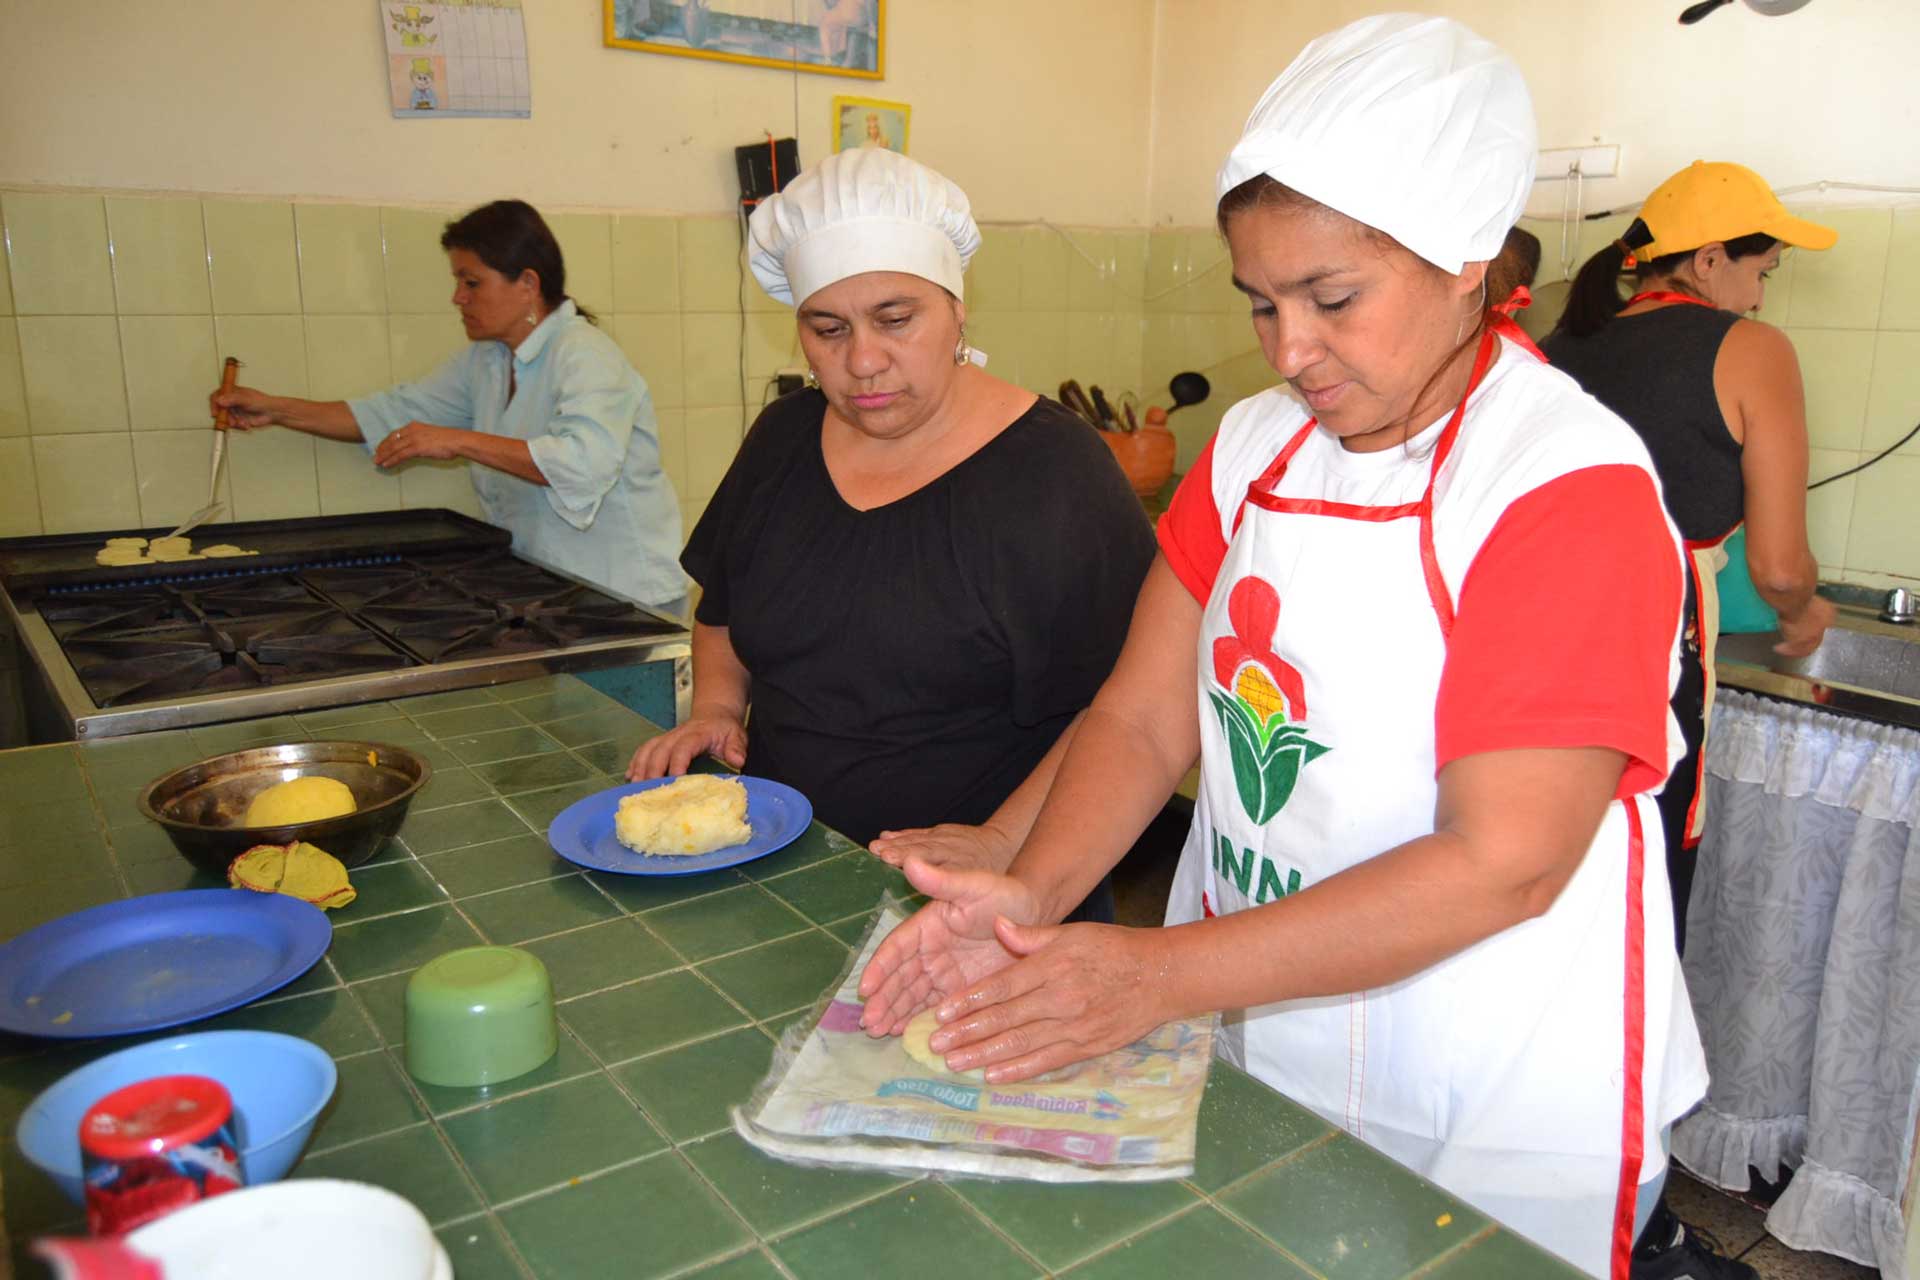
(1411, 124)
(862, 210)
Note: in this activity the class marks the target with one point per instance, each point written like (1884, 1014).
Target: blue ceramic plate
(145, 963)
(583, 833)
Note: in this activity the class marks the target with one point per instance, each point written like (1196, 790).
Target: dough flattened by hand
(224, 550)
(115, 557)
(915, 1040)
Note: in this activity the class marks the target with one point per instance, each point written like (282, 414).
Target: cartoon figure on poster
(419, 84)
(870, 123)
(412, 26)
(421, 79)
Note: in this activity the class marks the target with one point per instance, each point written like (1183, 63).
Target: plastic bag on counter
(837, 1097)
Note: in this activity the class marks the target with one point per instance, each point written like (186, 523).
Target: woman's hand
(1078, 991)
(1800, 635)
(667, 756)
(245, 407)
(943, 948)
(950, 844)
(419, 440)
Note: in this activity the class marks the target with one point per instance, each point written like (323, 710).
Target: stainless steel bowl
(201, 805)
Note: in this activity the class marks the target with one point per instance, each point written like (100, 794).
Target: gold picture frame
(870, 122)
(847, 37)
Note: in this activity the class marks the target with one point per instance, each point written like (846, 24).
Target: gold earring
(812, 379)
(962, 353)
(533, 317)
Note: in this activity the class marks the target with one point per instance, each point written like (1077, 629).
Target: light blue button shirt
(607, 513)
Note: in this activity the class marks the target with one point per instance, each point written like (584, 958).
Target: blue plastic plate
(145, 963)
(583, 833)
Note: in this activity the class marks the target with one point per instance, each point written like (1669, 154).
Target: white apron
(1510, 1074)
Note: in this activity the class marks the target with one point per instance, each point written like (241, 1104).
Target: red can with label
(154, 1147)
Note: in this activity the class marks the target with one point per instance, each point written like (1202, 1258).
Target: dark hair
(1517, 263)
(1263, 192)
(511, 237)
(1595, 297)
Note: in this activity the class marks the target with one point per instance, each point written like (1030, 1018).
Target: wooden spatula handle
(228, 376)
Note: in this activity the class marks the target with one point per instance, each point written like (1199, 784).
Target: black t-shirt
(1655, 370)
(911, 664)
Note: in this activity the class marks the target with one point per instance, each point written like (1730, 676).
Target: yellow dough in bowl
(915, 1040)
(306, 799)
(695, 814)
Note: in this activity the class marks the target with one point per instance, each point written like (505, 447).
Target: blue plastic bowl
(278, 1084)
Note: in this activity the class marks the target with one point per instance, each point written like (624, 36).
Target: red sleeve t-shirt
(1563, 627)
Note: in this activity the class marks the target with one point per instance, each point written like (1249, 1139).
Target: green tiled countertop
(616, 1157)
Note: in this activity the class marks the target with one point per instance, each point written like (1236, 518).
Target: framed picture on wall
(831, 37)
(869, 122)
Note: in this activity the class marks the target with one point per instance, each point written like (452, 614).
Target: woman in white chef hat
(1416, 616)
(916, 574)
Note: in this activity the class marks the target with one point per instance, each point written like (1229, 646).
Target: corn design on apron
(1507, 1073)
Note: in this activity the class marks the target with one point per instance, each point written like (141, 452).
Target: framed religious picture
(831, 37)
(869, 122)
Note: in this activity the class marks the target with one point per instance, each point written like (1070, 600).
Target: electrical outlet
(1597, 161)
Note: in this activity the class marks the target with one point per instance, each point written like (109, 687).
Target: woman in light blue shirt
(557, 428)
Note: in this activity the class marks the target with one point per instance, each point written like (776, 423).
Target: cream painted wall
(245, 97)
(1823, 93)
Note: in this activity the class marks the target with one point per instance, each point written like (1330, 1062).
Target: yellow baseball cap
(1717, 200)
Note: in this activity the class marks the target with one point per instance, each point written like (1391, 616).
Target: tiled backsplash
(115, 312)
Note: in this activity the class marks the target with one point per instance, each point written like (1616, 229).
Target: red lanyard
(1666, 295)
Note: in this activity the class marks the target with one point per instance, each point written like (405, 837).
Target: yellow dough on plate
(114, 557)
(307, 799)
(224, 550)
(695, 814)
(916, 1041)
(127, 542)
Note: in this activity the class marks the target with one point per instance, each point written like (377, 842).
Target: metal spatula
(221, 425)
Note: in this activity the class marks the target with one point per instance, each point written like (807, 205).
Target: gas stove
(121, 654)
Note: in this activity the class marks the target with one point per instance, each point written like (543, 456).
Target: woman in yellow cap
(1717, 398)
(1416, 614)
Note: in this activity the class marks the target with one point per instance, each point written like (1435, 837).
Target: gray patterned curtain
(1803, 961)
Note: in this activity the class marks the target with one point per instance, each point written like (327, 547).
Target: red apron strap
(1504, 324)
(1437, 592)
(1632, 1098)
(1668, 295)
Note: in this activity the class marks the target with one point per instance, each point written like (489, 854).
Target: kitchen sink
(1863, 666)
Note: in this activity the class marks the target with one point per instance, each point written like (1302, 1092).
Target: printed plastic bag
(836, 1096)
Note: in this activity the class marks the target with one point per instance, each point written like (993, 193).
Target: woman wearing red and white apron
(1418, 621)
(1717, 400)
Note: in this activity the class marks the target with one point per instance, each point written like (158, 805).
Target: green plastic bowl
(478, 1016)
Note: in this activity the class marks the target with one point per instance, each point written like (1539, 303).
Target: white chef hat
(1411, 124)
(863, 210)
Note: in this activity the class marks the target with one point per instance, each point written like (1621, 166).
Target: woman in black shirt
(917, 575)
(1718, 400)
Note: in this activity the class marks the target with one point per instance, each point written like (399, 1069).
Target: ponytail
(1595, 298)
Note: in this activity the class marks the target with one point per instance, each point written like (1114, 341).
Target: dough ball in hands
(916, 1040)
(692, 815)
(308, 799)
